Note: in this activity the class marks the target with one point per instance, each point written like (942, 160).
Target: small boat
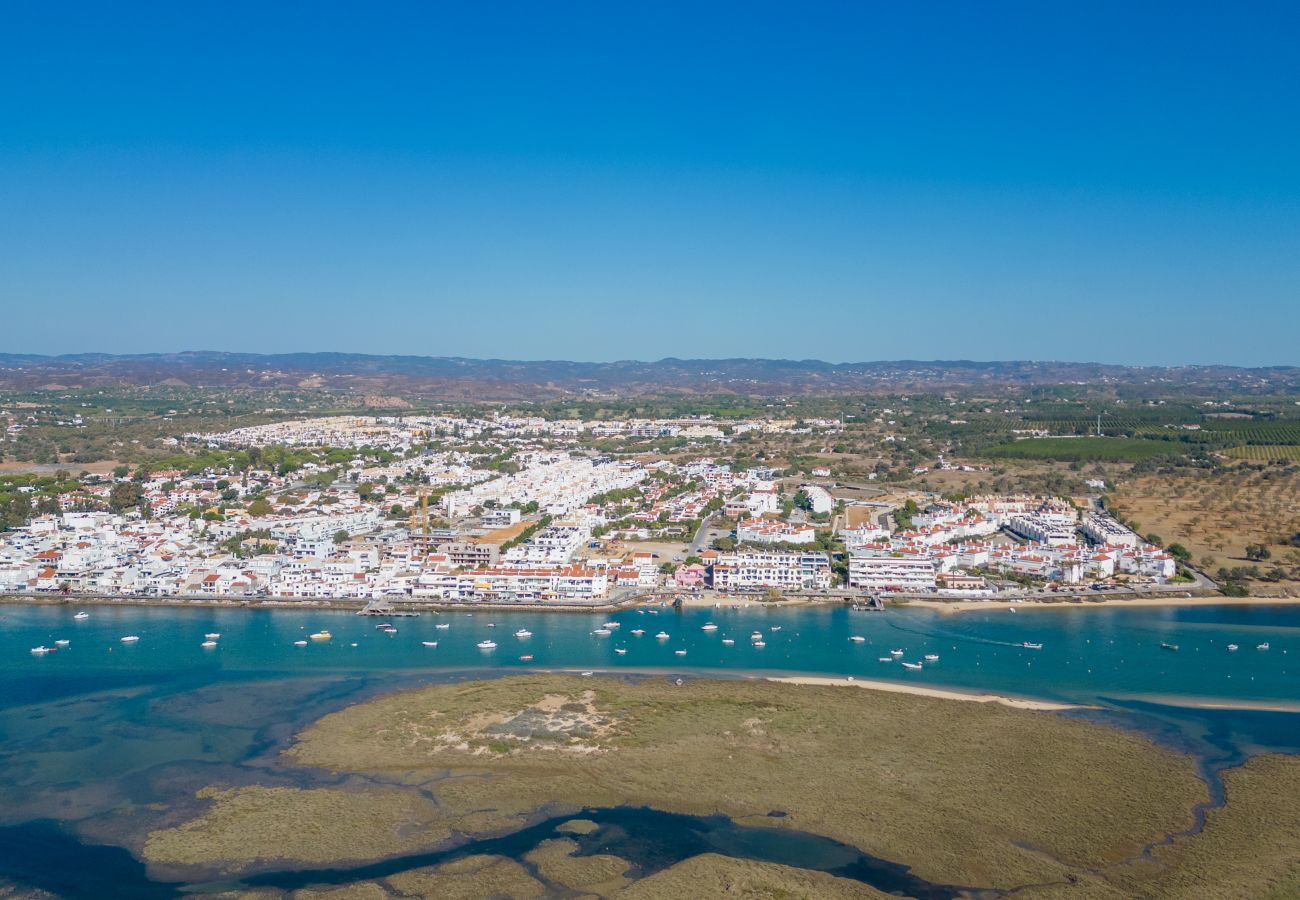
(886, 659)
(728, 641)
(760, 644)
(212, 636)
(1011, 609)
(931, 657)
(611, 625)
(680, 652)
(300, 643)
(429, 643)
(42, 650)
(383, 625)
(486, 645)
(321, 635)
(756, 636)
(895, 652)
(708, 626)
(857, 639)
(492, 624)
(130, 639)
(638, 631)
(351, 645)
(620, 651)
(602, 632)
(908, 665)
(444, 626)
(523, 633)
(62, 642)
(527, 657)
(663, 636)
(1263, 646)
(82, 615)
(775, 628)
(587, 674)
(1164, 646)
(1232, 648)
(208, 644)
(1028, 645)
(390, 630)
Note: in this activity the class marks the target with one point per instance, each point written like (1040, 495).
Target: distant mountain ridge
(455, 378)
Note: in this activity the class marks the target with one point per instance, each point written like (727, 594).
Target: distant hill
(453, 378)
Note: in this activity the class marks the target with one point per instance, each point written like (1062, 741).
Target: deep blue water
(104, 741)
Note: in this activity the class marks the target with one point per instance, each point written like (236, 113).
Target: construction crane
(420, 520)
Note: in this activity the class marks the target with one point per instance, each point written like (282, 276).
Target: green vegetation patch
(1087, 449)
(965, 793)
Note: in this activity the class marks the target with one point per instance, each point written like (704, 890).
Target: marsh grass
(966, 793)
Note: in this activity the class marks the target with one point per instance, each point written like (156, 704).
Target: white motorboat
(931, 657)
(42, 650)
(527, 657)
(300, 643)
(486, 645)
(708, 626)
(908, 665)
(212, 636)
(620, 651)
(444, 626)
(208, 644)
(62, 642)
(523, 633)
(130, 639)
(760, 644)
(1232, 648)
(775, 628)
(382, 625)
(611, 625)
(1263, 646)
(886, 659)
(728, 641)
(756, 636)
(663, 636)
(638, 631)
(587, 674)
(602, 632)
(82, 615)
(429, 643)
(321, 635)
(680, 652)
(895, 652)
(857, 639)
(492, 624)
(1029, 645)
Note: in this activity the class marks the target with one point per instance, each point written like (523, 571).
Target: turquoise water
(1087, 654)
(103, 742)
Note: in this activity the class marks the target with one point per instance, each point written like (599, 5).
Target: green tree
(340, 536)
(124, 495)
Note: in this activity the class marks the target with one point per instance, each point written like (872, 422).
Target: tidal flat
(975, 799)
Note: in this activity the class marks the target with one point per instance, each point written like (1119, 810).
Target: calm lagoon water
(102, 741)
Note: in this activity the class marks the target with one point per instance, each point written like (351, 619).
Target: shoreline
(953, 607)
(893, 687)
(405, 607)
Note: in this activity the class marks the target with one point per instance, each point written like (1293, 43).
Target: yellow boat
(320, 636)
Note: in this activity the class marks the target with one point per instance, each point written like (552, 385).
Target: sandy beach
(918, 690)
(958, 606)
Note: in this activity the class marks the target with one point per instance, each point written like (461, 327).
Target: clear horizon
(1012, 181)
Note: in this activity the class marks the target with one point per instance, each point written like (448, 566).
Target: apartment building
(760, 569)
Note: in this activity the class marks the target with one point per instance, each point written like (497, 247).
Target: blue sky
(1092, 181)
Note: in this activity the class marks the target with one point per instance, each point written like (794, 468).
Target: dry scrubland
(1216, 514)
(964, 793)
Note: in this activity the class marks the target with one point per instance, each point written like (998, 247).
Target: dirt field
(1215, 515)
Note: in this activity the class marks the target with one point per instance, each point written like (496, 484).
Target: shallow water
(111, 740)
